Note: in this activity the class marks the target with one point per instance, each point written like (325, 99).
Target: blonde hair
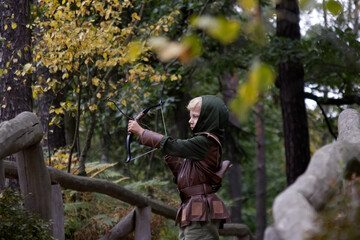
(195, 102)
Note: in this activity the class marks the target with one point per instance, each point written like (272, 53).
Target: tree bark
(89, 135)
(235, 191)
(233, 149)
(55, 133)
(15, 90)
(260, 173)
(105, 142)
(291, 83)
(15, 46)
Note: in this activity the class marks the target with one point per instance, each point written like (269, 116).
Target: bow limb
(129, 136)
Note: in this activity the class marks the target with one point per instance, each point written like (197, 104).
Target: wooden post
(2, 175)
(34, 181)
(122, 229)
(57, 212)
(22, 135)
(18, 133)
(142, 223)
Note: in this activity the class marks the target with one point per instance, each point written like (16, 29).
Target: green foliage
(17, 223)
(83, 40)
(91, 215)
(84, 221)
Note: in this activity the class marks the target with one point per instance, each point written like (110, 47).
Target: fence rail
(22, 135)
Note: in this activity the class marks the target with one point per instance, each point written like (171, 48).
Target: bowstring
(143, 154)
(163, 119)
(165, 131)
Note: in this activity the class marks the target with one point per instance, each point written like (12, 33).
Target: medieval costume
(199, 175)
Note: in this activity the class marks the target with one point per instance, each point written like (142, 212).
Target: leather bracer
(151, 139)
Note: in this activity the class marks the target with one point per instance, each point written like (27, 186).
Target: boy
(199, 175)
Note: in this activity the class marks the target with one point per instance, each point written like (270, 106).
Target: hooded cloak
(213, 117)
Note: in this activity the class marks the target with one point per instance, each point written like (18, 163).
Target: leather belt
(199, 189)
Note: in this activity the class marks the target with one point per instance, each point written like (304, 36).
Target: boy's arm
(194, 148)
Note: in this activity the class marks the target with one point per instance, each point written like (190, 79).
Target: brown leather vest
(197, 183)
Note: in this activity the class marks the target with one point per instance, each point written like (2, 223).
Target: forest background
(85, 67)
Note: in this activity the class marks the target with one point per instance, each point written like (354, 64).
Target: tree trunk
(15, 90)
(89, 135)
(15, 46)
(105, 142)
(55, 133)
(235, 190)
(70, 126)
(291, 83)
(233, 149)
(260, 173)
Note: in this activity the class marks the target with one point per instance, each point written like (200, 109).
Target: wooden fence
(42, 185)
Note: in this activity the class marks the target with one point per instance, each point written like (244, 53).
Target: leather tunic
(197, 183)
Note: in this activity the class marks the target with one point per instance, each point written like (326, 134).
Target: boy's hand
(135, 128)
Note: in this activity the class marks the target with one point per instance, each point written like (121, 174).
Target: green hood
(213, 117)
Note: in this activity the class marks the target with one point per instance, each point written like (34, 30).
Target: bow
(137, 118)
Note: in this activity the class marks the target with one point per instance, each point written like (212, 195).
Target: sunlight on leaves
(259, 79)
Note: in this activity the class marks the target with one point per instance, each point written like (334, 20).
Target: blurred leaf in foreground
(259, 79)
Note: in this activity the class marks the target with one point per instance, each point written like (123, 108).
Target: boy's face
(194, 116)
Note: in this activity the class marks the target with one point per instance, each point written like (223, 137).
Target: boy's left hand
(135, 128)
